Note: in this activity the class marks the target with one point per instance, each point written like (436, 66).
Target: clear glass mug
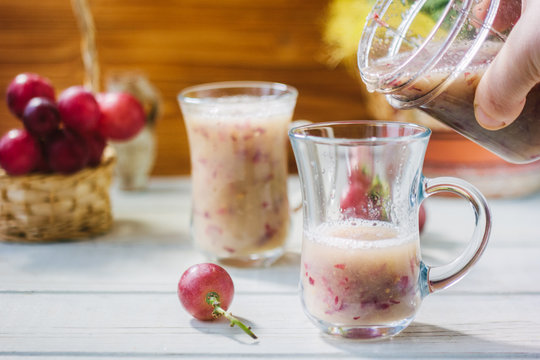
(237, 135)
(433, 61)
(361, 271)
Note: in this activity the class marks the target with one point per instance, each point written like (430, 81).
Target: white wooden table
(115, 296)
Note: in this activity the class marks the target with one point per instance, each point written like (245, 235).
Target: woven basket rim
(108, 159)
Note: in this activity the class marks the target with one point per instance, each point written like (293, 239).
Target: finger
(500, 95)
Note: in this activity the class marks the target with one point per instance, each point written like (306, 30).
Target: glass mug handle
(440, 277)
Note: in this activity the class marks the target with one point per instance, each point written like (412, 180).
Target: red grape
(43, 164)
(41, 116)
(363, 198)
(67, 152)
(23, 88)
(95, 144)
(122, 116)
(206, 291)
(197, 282)
(78, 109)
(421, 217)
(20, 152)
(354, 201)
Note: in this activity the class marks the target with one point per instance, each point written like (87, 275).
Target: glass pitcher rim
(386, 82)
(287, 90)
(422, 132)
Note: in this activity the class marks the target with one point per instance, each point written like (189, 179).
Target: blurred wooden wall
(178, 43)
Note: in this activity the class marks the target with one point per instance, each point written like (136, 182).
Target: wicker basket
(54, 207)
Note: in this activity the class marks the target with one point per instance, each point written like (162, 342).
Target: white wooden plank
(131, 324)
(150, 264)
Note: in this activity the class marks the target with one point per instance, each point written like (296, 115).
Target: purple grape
(41, 116)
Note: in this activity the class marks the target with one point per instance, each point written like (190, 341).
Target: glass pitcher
(434, 62)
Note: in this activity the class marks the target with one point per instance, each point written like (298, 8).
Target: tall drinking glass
(361, 271)
(238, 148)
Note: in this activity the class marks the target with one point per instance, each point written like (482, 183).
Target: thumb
(500, 95)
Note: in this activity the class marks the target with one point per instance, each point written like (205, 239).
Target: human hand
(500, 95)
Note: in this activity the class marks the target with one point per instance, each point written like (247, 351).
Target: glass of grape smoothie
(238, 148)
(433, 60)
(362, 275)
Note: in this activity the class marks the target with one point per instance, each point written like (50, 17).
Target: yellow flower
(345, 21)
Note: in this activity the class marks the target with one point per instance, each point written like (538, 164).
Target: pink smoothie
(239, 174)
(356, 274)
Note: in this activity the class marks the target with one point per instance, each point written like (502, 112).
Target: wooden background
(178, 43)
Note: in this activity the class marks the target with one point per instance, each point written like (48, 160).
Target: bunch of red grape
(64, 135)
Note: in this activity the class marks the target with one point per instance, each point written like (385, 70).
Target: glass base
(263, 259)
(363, 332)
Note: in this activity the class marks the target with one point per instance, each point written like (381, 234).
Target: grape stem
(212, 299)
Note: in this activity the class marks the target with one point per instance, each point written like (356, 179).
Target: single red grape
(23, 88)
(20, 152)
(360, 178)
(197, 282)
(361, 202)
(421, 217)
(354, 202)
(67, 152)
(122, 116)
(206, 291)
(95, 144)
(78, 109)
(41, 116)
(43, 164)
